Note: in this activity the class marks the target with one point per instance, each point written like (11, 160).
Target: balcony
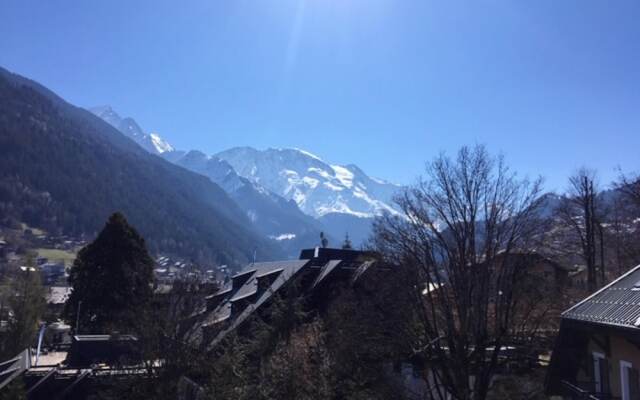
(585, 391)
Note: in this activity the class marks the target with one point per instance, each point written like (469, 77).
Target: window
(628, 381)
(600, 372)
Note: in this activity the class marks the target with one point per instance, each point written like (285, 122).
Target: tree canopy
(467, 221)
(111, 281)
(22, 294)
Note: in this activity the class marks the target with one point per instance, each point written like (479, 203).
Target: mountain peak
(306, 153)
(319, 188)
(153, 143)
(108, 114)
(101, 109)
(160, 144)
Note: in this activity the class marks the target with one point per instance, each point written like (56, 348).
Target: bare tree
(630, 186)
(463, 222)
(626, 222)
(581, 214)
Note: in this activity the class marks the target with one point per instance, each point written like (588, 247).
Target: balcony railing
(586, 391)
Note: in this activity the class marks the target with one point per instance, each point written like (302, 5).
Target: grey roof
(223, 312)
(224, 291)
(251, 268)
(252, 288)
(103, 338)
(248, 289)
(617, 304)
(262, 274)
(361, 270)
(326, 270)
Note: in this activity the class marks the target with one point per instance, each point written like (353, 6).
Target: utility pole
(78, 317)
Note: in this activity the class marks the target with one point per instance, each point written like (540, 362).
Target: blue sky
(383, 84)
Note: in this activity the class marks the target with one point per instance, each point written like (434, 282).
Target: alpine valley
(291, 195)
(228, 208)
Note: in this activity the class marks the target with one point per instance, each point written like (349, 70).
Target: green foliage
(14, 391)
(288, 352)
(166, 356)
(111, 281)
(23, 296)
(296, 348)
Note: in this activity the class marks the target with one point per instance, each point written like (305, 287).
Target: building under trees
(466, 221)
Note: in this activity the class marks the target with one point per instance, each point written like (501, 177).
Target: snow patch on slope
(306, 153)
(283, 236)
(343, 175)
(160, 144)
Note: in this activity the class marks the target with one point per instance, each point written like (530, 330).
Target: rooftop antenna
(323, 240)
(78, 317)
(346, 245)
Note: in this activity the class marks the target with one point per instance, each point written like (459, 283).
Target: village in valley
(319, 200)
(566, 269)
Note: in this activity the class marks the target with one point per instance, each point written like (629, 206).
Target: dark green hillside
(65, 170)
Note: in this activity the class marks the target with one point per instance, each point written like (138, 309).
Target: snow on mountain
(272, 215)
(284, 236)
(288, 194)
(219, 171)
(107, 114)
(319, 188)
(159, 143)
(153, 143)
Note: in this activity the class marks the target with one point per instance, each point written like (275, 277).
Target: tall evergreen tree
(111, 281)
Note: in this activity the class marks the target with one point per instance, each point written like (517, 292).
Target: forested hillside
(65, 170)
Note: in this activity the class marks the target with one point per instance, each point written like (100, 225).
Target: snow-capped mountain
(290, 195)
(151, 142)
(272, 215)
(319, 188)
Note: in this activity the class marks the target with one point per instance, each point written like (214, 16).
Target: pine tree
(111, 281)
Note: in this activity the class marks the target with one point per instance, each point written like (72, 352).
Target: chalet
(540, 268)
(93, 359)
(597, 352)
(252, 289)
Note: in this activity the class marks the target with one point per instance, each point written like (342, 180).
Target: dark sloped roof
(617, 304)
(288, 270)
(249, 288)
(326, 270)
(361, 270)
(252, 288)
(222, 292)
